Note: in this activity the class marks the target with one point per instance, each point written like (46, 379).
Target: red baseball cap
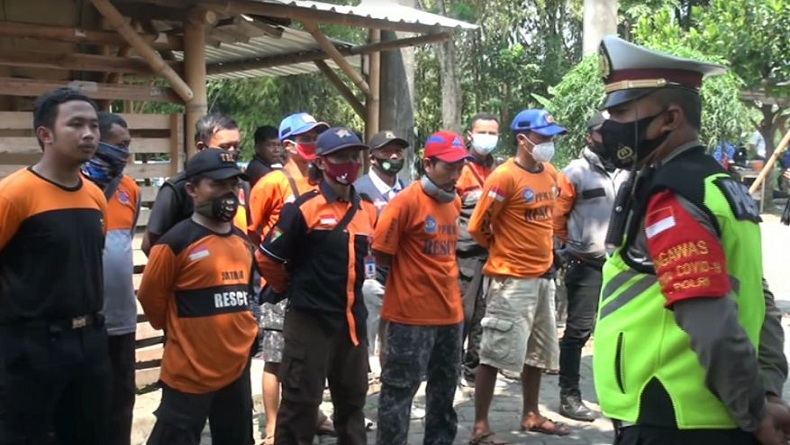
(446, 146)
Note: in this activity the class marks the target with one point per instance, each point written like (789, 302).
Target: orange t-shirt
(122, 210)
(420, 233)
(472, 178)
(197, 286)
(513, 219)
(271, 192)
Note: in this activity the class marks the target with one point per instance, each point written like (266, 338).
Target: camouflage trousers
(414, 352)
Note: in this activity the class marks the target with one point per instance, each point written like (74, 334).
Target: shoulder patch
(743, 206)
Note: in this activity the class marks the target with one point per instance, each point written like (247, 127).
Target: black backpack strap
(245, 187)
(291, 182)
(341, 226)
(112, 187)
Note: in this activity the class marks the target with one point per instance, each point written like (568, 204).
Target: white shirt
(384, 188)
(759, 143)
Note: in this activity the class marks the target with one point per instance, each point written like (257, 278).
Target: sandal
(548, 426)
(488, 438)
(268, 440)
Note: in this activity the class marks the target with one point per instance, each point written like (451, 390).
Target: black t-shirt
(256, 170)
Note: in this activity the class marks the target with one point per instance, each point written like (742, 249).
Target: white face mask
(484, 143)
(543, 152)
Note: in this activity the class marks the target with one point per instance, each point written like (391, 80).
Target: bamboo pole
(373, 101)
(338, 58)
(769, 164)
(341, 87)
(158, 65)
(195, 72)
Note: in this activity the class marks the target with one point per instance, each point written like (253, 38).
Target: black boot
(572, 406)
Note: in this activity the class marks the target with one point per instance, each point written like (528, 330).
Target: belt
(66, 324)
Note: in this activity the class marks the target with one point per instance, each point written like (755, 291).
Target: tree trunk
(397, 93)
(768, 127)
(450, 81)
(600, 20)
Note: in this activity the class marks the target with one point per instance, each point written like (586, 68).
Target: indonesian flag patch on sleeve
(496, 194)
(659, 220)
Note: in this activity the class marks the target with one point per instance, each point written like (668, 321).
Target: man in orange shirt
(483, 138)
(514, 221)
(298, 133)
(416, 238)
(197, 286)
(105, 169)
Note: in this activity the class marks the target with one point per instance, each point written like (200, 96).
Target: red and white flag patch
(659, 221)
(496, 194)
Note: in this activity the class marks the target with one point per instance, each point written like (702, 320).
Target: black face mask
(389, 166)
(221, 209)
(598, 148)
(619, 139)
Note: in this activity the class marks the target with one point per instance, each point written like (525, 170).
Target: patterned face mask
(107, 164)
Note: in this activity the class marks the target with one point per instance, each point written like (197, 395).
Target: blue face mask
(107, 164)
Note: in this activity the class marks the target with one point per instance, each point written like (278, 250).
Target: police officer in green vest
(688, 346)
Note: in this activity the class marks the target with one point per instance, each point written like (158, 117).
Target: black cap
(336, 139)
(214, 163)
(387, 137)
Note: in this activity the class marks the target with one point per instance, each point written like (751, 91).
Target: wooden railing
(156, 141)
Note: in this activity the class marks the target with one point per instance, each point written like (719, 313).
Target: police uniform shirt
(197, 286)
(51, 241)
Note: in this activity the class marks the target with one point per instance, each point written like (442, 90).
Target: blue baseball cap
(336, 139)
(539, 121)
(300, 123)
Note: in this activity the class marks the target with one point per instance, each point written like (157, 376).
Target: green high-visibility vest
(637, 340)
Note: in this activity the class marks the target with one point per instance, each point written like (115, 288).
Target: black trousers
(583, 283)
(313, 353)
(54, 386)
(181, 417)
(472, 292)
(647, 435)
(122, 360)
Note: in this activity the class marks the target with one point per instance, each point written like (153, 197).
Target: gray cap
(595, 121)
(630, 71)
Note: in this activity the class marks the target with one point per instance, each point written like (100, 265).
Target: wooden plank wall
(154, 136)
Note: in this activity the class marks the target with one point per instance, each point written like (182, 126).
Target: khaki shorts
(519, 326)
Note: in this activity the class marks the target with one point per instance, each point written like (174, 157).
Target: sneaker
(417, 413)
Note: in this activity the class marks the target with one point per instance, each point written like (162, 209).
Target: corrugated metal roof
(382, 10)
(292, 41)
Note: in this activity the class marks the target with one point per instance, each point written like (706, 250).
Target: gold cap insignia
(604, 66)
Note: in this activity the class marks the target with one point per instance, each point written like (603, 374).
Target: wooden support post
(159, 66)
(338, 58)
(195, 72)
(373, 101)
(341, 87)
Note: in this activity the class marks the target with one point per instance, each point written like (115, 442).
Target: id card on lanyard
(370, 262)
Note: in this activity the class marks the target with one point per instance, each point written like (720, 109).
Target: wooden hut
(164, 51)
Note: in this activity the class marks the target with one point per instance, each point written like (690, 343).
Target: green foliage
(573, 101)
(724, 116)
